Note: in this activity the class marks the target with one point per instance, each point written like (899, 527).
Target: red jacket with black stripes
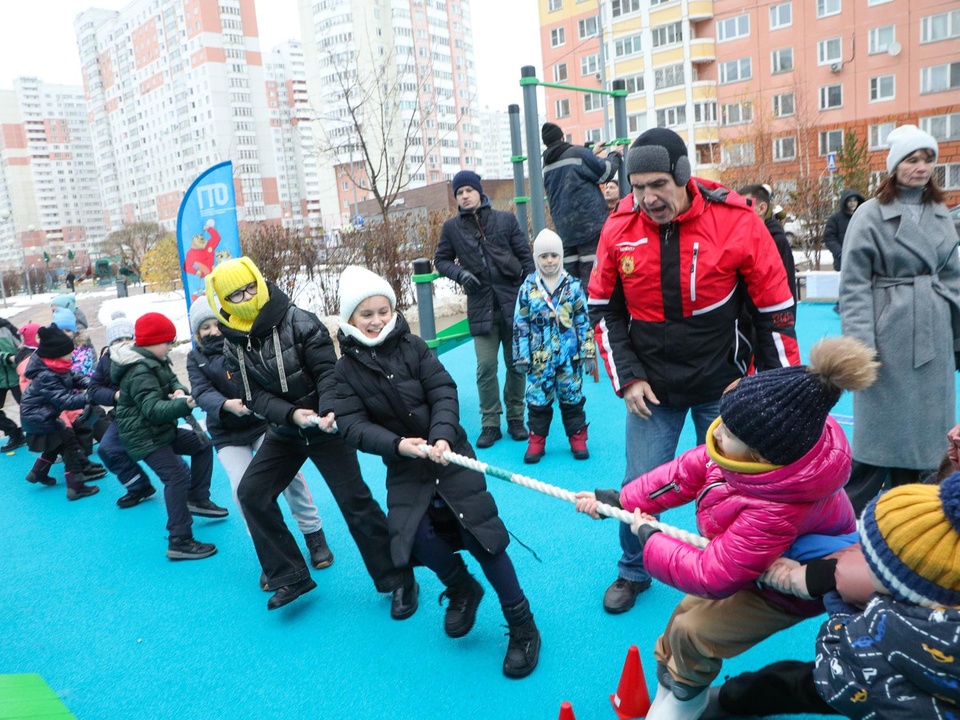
(666, 299)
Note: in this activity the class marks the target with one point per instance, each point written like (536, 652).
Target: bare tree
(281, 254)
(131, 243)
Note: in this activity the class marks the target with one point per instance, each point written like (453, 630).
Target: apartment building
(403, 70)
(173, 87)
(49, 196)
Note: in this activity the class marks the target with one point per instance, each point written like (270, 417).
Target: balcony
(700, 10)
(703, 50)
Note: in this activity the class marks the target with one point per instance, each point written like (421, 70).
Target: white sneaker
(674, 709)
(662, 692)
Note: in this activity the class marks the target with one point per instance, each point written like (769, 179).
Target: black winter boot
(320, 555)
(15, 439)
(464, 593)
(39, 473)
(76, 488)
(523, 652)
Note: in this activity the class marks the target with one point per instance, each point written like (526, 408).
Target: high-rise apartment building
(49, 198)
(403, 71)
(173, 87)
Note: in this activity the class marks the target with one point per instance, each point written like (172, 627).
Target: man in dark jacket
(836, 227)
(486, 252)
(572, 176)
(760, 196)
(285, 358)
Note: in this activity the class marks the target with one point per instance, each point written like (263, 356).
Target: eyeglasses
(240, 295)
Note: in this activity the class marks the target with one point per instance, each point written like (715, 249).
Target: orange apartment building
(770, 84)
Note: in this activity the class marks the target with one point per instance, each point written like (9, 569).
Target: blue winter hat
(65, 319)
(65, 301)
(466, 178)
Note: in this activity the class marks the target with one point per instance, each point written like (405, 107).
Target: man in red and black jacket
(676, 264)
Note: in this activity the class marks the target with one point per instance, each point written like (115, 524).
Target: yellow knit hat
(228, 277)
(911, 541)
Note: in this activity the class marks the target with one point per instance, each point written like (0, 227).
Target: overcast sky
(37, 39)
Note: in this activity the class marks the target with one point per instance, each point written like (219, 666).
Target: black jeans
(273, 468)
(182, 484)
(116, 460)
(781, 688)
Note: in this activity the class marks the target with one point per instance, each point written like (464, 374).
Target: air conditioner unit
(836, 67)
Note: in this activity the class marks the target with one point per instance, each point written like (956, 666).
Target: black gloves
(469, 281)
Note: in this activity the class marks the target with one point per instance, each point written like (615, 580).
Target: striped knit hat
(911, 540)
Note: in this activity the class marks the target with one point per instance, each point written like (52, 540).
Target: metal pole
(423, 279)
(620, 128)
(602, 61)
(517, 158)
(528, 80)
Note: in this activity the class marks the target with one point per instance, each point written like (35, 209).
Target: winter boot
(15, 439)
(578, 444)
(464, 593)
(686, 702)
(76, 488)
(320, 555)
(523, 651)
(39, 473)
(536, 448)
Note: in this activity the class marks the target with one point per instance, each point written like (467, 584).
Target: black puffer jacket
(836, 228)
(48, 395)
(212, 386)
(400, 389)
(284, 363)
(490, 244)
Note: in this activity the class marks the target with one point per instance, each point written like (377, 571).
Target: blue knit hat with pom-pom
(911, 540)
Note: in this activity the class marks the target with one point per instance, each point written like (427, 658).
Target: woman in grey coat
(900, 294)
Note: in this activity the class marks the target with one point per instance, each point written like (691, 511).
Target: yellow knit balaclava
(228, 277)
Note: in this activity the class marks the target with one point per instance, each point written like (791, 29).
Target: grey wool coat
(900, 294)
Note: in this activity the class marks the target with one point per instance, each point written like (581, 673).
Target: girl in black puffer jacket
(392, 396)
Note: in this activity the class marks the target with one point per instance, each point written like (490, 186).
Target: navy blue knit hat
(466, 178)
(911, 540)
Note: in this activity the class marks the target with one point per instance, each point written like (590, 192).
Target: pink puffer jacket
(749, 519)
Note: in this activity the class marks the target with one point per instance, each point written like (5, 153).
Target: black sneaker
(622, 594)
(135, 496)
(14, 442)
(186, 548)
(488, 436)
(206, 508)
(516, 430)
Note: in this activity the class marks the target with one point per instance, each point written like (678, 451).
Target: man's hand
(636, 396)
(304, 418)
(469, 281)
(235, 406)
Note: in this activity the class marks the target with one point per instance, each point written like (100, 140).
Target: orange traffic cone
(632, 699)
(566, 711)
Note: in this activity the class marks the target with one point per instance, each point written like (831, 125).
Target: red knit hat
(153, 329)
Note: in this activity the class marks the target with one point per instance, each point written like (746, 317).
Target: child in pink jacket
(772, 470)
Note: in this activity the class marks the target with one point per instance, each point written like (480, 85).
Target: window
(737, 154)
(587, 28)
(563, 108)
(554, 5)
(737, 113)
(781, 16)
(829, 51)
(939, 78)
(735, 71)
(627, 46)
(828, 7)
(831, 96)
(878, 135)
(784, 148)
(882, 88)
(831, 141)
(633, 83)
(948, 176)
(880, 39)
(942, 127)
(871, 3)
(733, 28)
(558, 37)
(623, 7)
(636, 124)
(934, 28)
(589, 65)
(560, 72)
(705, 112)
(783, 105)
(676, 115)
(592, 136)
(669, 76)
(592, 101)
(667, 34)
(781, 60)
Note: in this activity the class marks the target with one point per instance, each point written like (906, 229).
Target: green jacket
(146, 416)
(9, 344)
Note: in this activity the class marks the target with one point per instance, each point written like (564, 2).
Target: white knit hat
(907, 139)
(547, 241)
(200, 312)
(119, 328)
(356, 285)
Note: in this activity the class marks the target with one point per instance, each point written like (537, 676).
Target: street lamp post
(23, 255)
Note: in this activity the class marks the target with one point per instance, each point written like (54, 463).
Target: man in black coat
(486, 252)
(836, 227)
